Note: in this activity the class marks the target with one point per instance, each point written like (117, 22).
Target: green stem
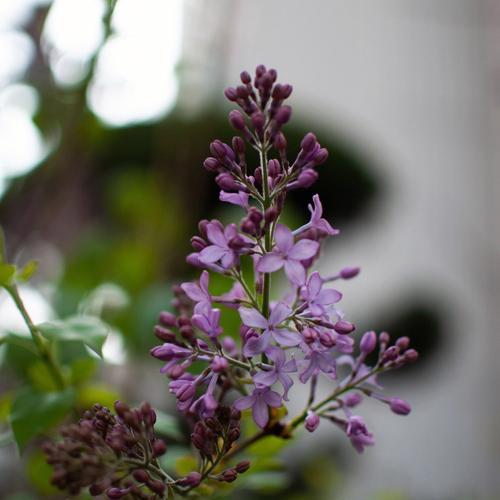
(39, 340)
(268, 237)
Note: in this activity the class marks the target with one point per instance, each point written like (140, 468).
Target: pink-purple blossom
(260, 400)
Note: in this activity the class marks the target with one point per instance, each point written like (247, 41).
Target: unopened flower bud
(274, 168)
(141, 475)
(390, 354)
(403, 343)
(283, 115)
(399, 406)
(228, 476)
(312, 422)
(258, 121)
(384, 338)
(353, 399)
(245, 77)
(368, 342)
(167, 318)
(193, 479)
(280, 142)
(308, 142)
(116, 492)
(411, 355)
(242, 466)
(309, 335)
(219, 364)
(157, 486)
(270, 215)
(159, 447)
(226, 182)
(121, 408)
(164, 334)
(211, 164)
(230, 94)
(198, 243)
(349, 272)
(344, 327)
(236, 120)
(307, 178)
(321, 156)
(217, 149)
(238, 145)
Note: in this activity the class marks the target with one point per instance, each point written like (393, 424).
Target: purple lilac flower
(318, 299)
(199, 292)
(269, 327)
(208, 321)
(235, 295)
(171, 353)
(288, 254)
(358, 433)
(279, 371)
(184, 389)
(221, 248)
(317, 359)
(317, 221)
(312, 421)
(260, 399)
(206, 404)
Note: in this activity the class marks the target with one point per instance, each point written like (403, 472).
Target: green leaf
(88, 329)
(21, 340)
(27, 271)
(39, 473)
(82, 369)
(166, 425)
(102, 393)
(185, 465)
(34, 413)
(2, 246)
(265, 482)
(7, 272)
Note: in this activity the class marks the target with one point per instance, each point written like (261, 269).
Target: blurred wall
(413, 84)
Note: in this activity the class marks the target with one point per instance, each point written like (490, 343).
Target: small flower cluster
(295, 338)
(111, 454)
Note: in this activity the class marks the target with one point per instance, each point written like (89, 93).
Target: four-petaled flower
(317, 220)
(260, 399)
(269, 327)
(208, 321)
(358, 433)
(278, 372)
(220, 249)
(318, 299)
(288, 254)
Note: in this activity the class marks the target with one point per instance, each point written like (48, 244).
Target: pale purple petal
(228, 259)
(279, 313)
(204, 282)
(284, 238)
(327, 297)
(303, 249)
(211, 254)
(272, 398)
(276, 354)
(240, 198)
(244, 402)
(269, 263)
(290, 366)
(287, 383)
(201, 322)
(295, 272)
(286, 337)
(256, 345)
(265, 378)
(260, 412)
(215, 235)
(314, 285)
(252, 318)
(194, 292)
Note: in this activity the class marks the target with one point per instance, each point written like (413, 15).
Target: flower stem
(39, 340)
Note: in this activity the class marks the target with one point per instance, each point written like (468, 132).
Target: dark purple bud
(121, 408)
(399, 406)
(349, 272)
(327, 339)
(410, 356)
(141, 476)
(368, 342)
(270, 215)
(286, 90)
(390, 354)
(273, 74)
(321, 156)
(238, 145)
(260, 70)
(193, 479)
(384, 338)
(310, 335)
(245, 77)
(228, 476)
(236, 120)
(230, 94)
(211, 164)
(242, 466)
(116, 492)
(274, 168)
(258, 175)
(344, 327)
(159, 448)
(307, 178)
(312, 422)
(157, 486)
(280, 142)
(226, 182)
(283, 114)
(202, 227)
(242, 92)
(217, 149)
(183, 321)
(255, 215)
(258, 120)
(164, 334)
(167, 318)
(198, 243)
(308, 142)
(403, 343)
(249, 227)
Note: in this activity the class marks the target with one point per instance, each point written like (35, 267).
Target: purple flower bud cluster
(109, 454)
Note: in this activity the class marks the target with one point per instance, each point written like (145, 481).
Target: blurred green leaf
(41, 378)
(39, 473)
(82, 369)
(21, 340)
(2, 245)
(27, 271)
(88, 329)
(166, 425)
(185, 465)
(34, 412)
(265, 482)
(5, 406)
(7, 272)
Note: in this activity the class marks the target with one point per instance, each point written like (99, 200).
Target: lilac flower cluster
(295, 338)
